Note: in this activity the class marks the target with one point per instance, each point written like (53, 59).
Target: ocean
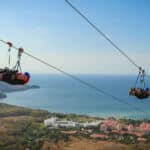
(61, 94)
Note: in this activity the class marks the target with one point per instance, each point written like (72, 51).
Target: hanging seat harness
(14, 75)
(141, 93)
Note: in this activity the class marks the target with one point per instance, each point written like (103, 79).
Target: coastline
(103, 115)
(23, 128)
(59, 94)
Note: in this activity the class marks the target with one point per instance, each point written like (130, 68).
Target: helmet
(28, 77)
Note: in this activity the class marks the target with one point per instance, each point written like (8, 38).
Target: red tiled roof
(69, 132)
(138, 134)
(144, 126)
(99, 136)
(114, 124)
(141, 139)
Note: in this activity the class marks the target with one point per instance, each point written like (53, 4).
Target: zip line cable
(105, 36)
(100, 91)
(78, 79)
(101, 33)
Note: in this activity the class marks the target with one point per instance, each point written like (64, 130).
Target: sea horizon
(61, 94)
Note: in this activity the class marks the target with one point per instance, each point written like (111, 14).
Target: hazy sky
(51, 30)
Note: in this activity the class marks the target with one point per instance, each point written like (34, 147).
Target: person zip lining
(25, 77)
(140, 93)
(100, 91)
(143, 93)
(91, 86)
(14, 76)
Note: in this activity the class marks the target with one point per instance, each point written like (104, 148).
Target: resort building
(55, 122)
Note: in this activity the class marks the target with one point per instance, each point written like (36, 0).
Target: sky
(52, 31)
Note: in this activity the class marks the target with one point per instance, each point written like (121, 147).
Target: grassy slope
(22, 128)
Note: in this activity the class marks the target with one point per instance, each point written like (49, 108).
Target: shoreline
(25, 128)
(89, 115)
(92, 115)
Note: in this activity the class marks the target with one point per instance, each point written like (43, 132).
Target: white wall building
(54, 122)
(51, 122)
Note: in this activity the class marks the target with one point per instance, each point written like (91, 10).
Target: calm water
(61, 94)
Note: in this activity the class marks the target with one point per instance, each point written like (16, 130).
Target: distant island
(28, 129)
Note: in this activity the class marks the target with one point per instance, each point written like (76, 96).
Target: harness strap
(18, 66)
